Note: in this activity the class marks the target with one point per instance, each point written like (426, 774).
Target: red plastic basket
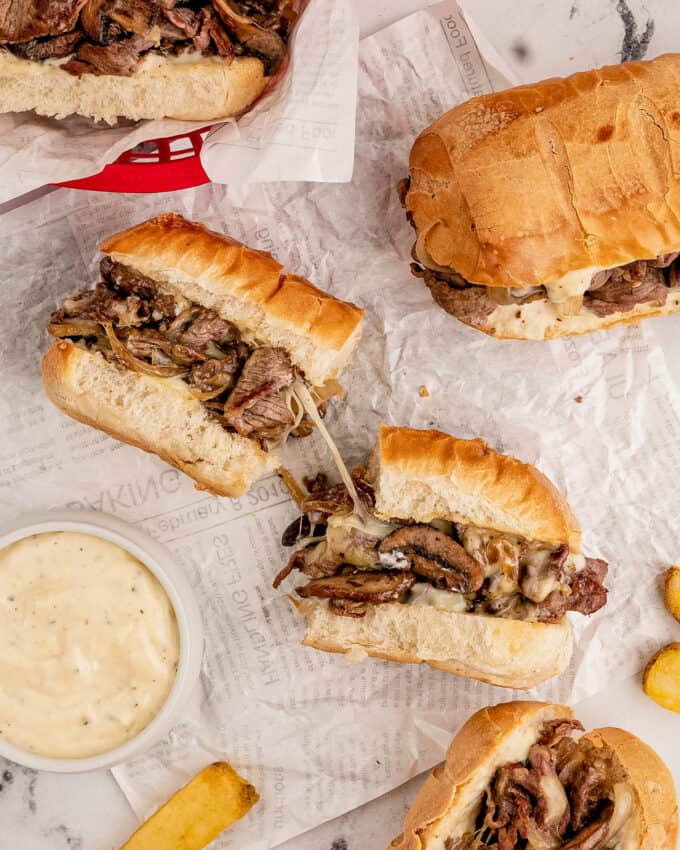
(161, 165)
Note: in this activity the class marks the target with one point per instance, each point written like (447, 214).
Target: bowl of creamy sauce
(101, 641)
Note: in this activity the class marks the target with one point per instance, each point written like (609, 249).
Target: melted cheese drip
(571, 284)
(359, 517)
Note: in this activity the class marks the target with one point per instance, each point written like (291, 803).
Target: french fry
(661, 679)
(197, 813)
(672, 591)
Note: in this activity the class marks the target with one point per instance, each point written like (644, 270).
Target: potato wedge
(672, 591)
(661, 679)
(197, 813)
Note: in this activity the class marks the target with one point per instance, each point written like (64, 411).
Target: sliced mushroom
(592, 836)
(434, 555)
(360, 587)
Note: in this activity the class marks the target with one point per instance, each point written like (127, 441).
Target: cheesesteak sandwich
(190, 59)
(553, 209)
(445, 552)
(199, 349)
(521, 776)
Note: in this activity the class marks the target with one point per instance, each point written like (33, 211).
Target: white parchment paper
(598, 414)
(302, 130)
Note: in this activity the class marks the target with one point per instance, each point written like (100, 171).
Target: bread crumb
(578, 399)
(423, 391)
(355, 654)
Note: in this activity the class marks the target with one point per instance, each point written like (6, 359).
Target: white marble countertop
(53, 812)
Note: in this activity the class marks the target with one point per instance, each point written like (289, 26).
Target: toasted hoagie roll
(197, 348)
(553, 208)
(450, 554)
(520, 774)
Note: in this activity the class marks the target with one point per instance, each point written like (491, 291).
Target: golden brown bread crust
(499, 651)
(60, 365)
(485, 732)
(474, 744)
(519, 187)
(537, 508)
(253, 276)
(653, 784)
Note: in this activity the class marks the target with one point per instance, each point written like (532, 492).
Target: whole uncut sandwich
(199, 349)
(190, 59)
(553, 209)
(520, 776)
(447, 553)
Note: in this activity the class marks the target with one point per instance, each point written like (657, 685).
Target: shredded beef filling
(611, 291)
(112, 36)
(133, 324)
(455, 567)
(562, 797)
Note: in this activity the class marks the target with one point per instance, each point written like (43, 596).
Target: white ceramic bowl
(158, 561)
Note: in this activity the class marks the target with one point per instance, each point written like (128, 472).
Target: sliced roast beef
(120, 58)
(588, 594)
(208, 327)
(25, 20)
(56, 47)
(256, 404)
(627, 286)
(528, 805)
(468, 303)
(555, 730)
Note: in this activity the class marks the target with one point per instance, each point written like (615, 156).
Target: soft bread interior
(504, 652)
(188, 88)
(158, 415)
(425, 475)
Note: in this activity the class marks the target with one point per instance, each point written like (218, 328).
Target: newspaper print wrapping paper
(302, 130)
(315, 733)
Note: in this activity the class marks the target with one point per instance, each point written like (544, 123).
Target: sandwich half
(198, 349)
(553, 209)
(521, 775)
(195, 59)
(447, 553)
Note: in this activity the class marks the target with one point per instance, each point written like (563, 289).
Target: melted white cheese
(423, 593)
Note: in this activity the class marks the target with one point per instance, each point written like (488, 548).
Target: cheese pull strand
(359, 515)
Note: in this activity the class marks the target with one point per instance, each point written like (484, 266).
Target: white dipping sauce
(89, 645)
